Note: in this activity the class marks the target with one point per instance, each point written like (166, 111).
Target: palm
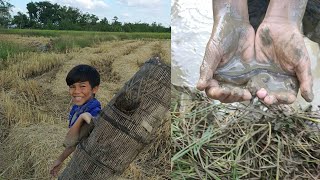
(282, 44)
(234, 41)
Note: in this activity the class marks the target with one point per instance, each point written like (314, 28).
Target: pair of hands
(280, 43)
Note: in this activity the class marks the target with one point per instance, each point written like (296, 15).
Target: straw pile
(224, 141)
(30, 151)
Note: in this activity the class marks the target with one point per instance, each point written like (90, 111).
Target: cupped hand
(282, 44)
(230, 39)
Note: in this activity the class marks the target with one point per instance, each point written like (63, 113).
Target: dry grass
(18, 111)
(105, 47)
(166, 53)
(120, 61)
(160, 49)
(30, 90)
(30, 151)
(221, 141)
(104, 67)
(24, 40)
(35, 65)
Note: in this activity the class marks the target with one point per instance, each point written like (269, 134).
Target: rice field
(34, 99)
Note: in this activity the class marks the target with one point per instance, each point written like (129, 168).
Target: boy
(83, 82)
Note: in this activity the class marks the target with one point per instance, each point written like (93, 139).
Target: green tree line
(45, 15)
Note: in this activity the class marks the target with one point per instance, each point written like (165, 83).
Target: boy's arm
(58, 163)
(72, 137)
(70, 142)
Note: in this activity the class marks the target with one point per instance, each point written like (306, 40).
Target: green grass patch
(63, 41)
(59, 33)
(8, 48)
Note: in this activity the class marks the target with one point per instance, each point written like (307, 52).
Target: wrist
(286, 11)
(59, 160)
(233, 9)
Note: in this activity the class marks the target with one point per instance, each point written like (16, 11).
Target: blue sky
(126, 10)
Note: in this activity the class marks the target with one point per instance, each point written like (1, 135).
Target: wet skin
(232, 37)
(255, 76)
(270, 63)
(288, 52)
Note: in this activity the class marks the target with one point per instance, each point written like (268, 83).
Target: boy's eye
(71, 87)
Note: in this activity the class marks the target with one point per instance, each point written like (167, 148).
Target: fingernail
(309, 96)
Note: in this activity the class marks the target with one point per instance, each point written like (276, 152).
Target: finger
(237, 95)
(246, 95)
(231, 99)
(262, 93)
(54, 173)
(270, 100)
(210, 63)
(303, 72)
(285, 98)
(214, 90)
(218, 93)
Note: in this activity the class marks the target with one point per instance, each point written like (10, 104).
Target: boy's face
(81, 92)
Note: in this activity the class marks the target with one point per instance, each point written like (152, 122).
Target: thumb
(303, 72)
(210, 63)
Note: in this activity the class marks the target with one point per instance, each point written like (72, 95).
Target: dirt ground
(34, 104)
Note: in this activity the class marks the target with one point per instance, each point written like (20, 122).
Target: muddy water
(191, 24)
(254, 76)
(191, 28)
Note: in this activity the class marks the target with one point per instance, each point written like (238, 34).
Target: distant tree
(115, 19)
(104, 21)
(45, 15)
(5, 16)
(93, 19)
(103, 25)
(33, 14)
(116, 25)
(21, 20)
(32, 11)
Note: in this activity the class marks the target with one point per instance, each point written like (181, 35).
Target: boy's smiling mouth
(77, 98)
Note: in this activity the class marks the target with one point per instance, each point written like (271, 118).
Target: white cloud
(126, 15)
(147, 3)
(83, 4)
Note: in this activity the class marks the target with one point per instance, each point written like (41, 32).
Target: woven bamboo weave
(125, 126)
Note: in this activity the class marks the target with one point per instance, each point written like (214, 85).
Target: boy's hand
(55, 168)
(87, 117)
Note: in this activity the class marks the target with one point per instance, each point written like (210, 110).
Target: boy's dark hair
(83, 73)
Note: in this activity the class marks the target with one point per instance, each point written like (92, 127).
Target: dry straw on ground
(30, 150)
(220, 141)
